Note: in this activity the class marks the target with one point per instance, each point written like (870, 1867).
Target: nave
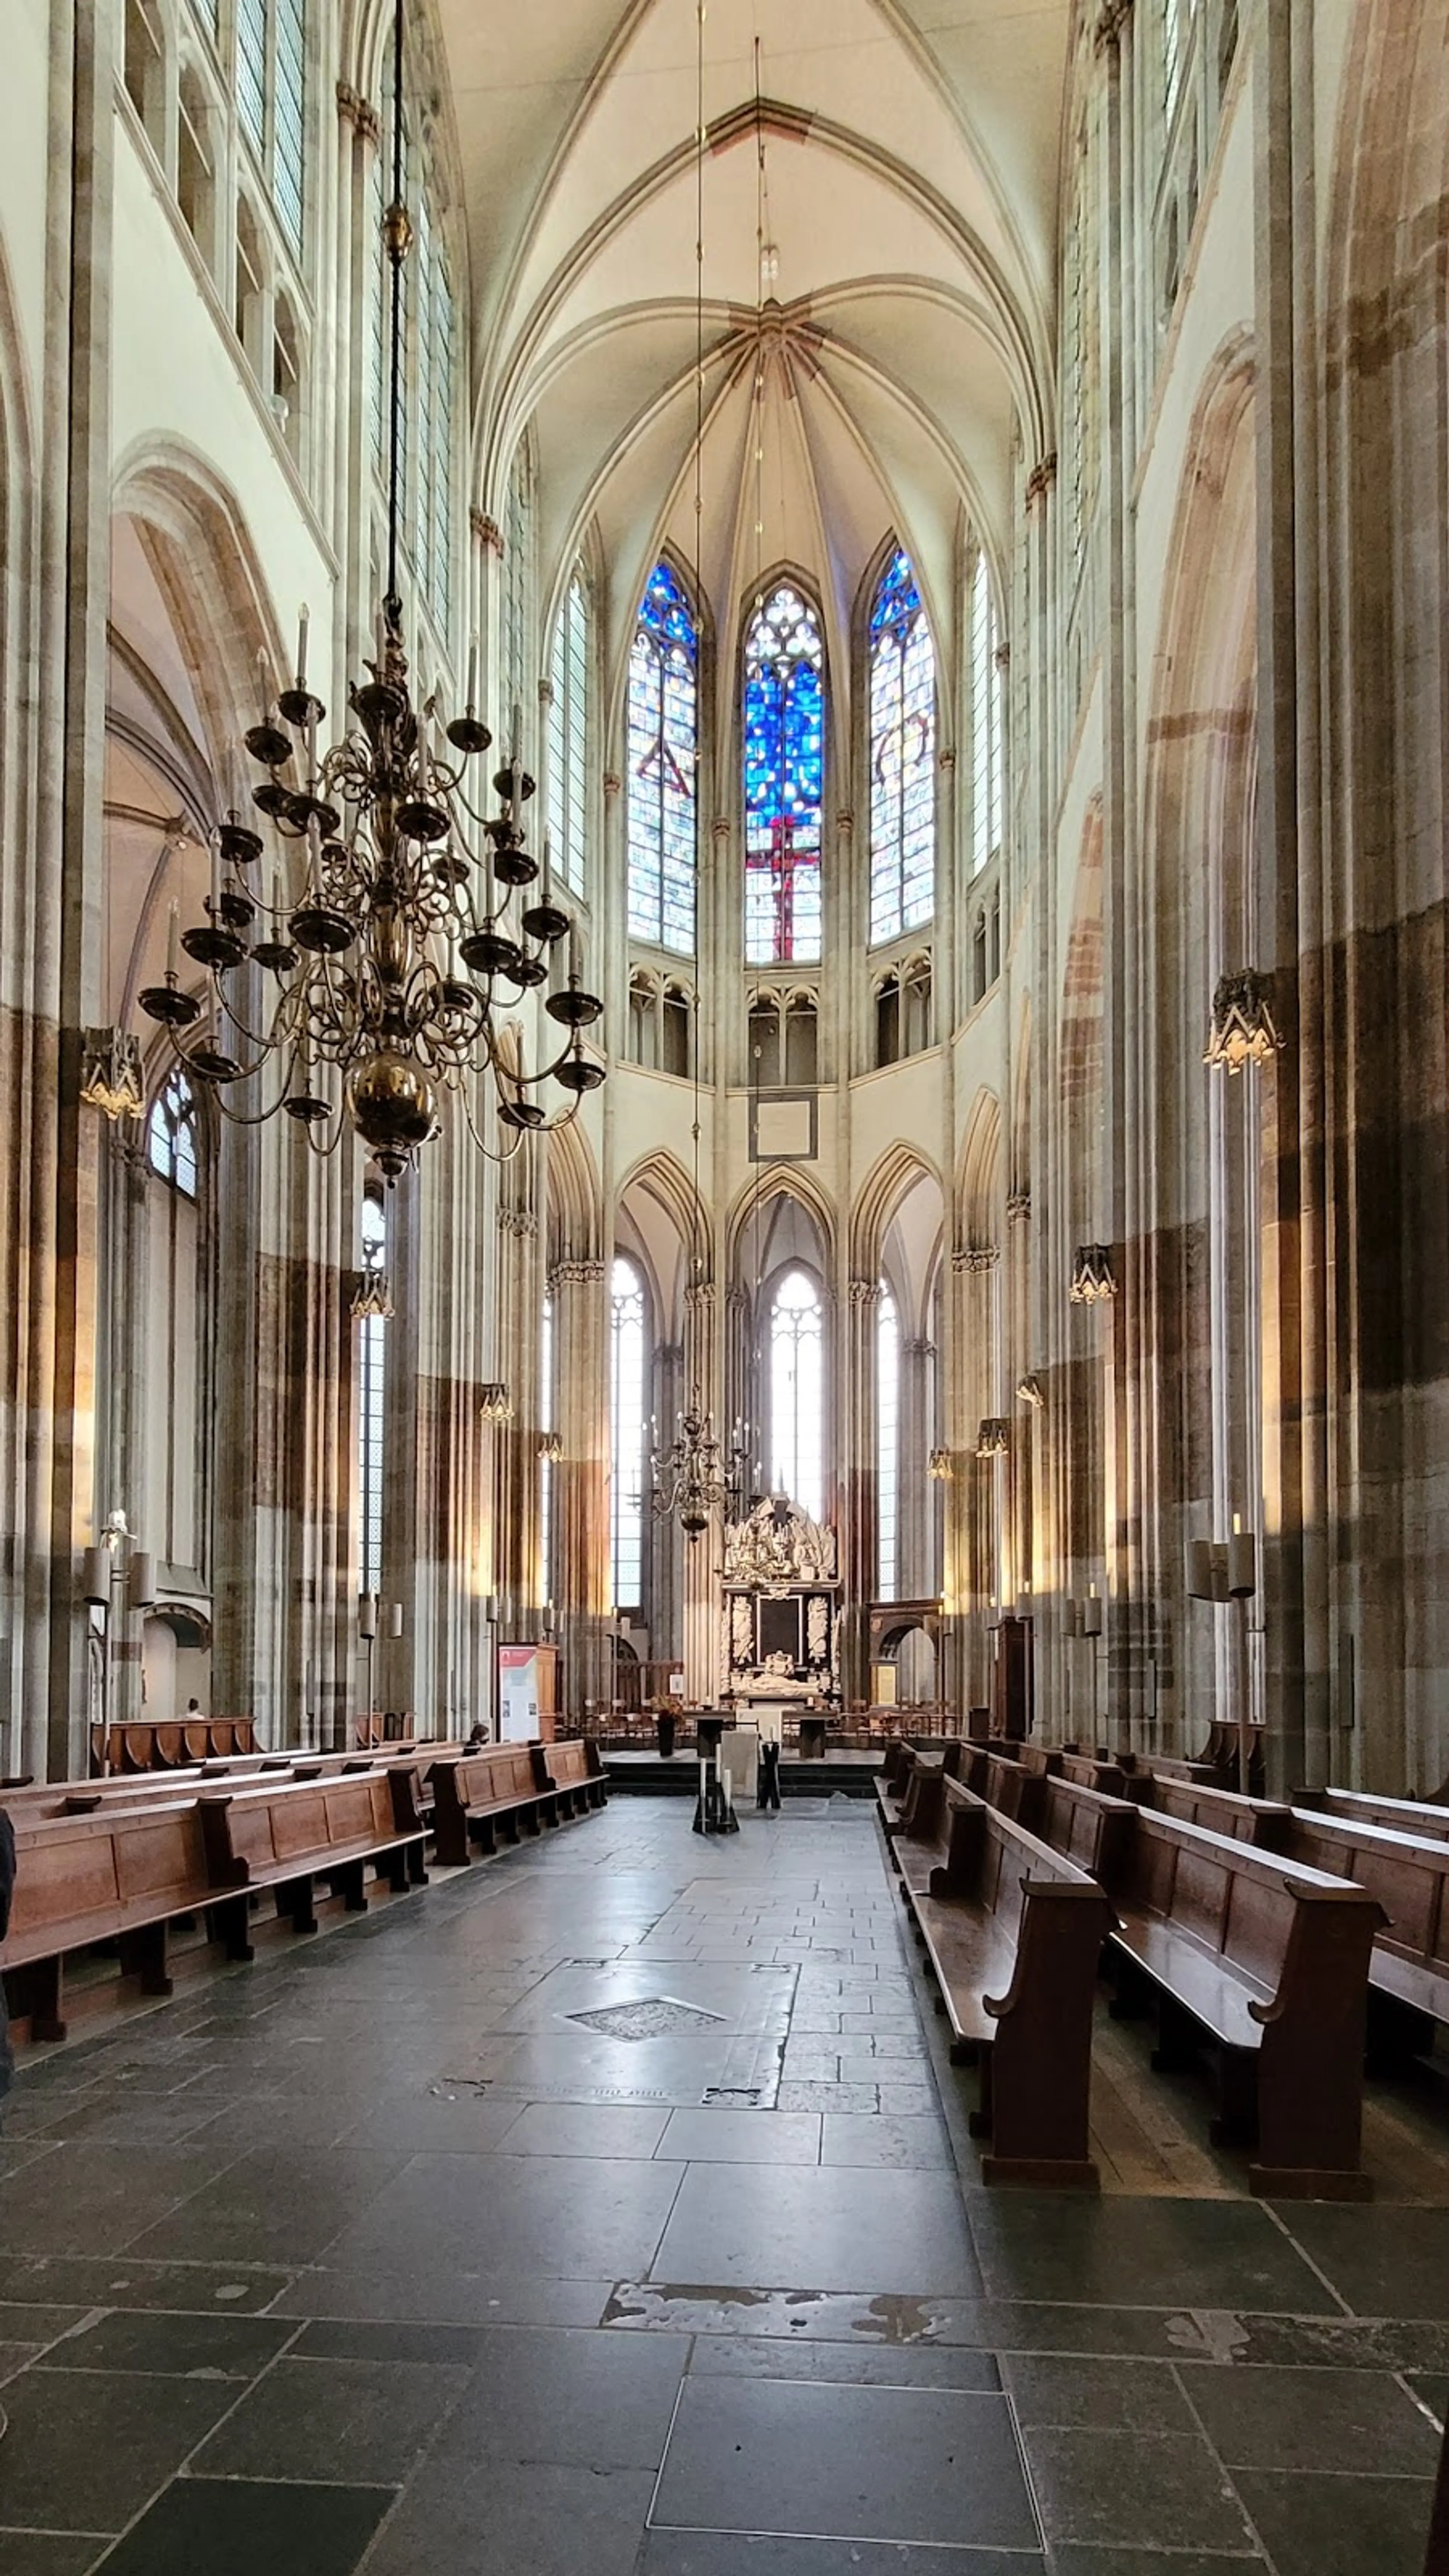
(610, 2208)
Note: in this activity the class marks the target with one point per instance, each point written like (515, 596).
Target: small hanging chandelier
(495, 1403)
(993, 1436)
(387, 952)
(1243, 1028)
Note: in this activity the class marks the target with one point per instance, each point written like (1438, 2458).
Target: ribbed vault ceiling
(910, 177)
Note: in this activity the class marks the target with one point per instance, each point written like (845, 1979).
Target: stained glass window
(371, 1389)
(663, 756)
(887, 1440)
(626, 1416)
(902, 756)
(171, 1135)
(251, 69)
(271, 98)
(797, 1391)
(986, 800)
(784, 730)
(568, 735)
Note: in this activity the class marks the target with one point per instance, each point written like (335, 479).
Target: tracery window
(568, 736)
(784, 764)
(429, 371)
(902, 756)
(887, 1443)
(171, 1135)
(986, 755)
(626, 1422)
(517, 541)
(371, 1392)
(797, 1391)
(271, 97)
(663, 819)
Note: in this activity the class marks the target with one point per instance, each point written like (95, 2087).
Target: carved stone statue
(779, 1547)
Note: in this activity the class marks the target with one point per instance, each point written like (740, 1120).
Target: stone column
(860, 1536)
(581, 1489)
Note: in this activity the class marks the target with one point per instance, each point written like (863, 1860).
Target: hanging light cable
(380, 981)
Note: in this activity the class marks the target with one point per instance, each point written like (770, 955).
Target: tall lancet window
(174, 1401)
(626, 1413)
(797, 1392)
(986, 778)
(902, 756)
(371, 1390)
(568, 737)
(784, 734)
(663, 760)
(887, 1444)
(545, 1460)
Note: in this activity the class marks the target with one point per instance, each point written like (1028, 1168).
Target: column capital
(1041, 478)
(576, 1274)
(1018, 1208)
(864, 1292)
(487, 531)
(970, 1258)
(518, 1221)
(1112, 17)
(358, 112)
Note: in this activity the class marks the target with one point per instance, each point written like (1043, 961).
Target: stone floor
(593, 2213)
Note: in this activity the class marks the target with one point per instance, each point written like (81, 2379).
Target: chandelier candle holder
(993, 1437)
(376, 985)
(1093, 1279)
(1243, 1027)
(693, 1476)
(494, 1402)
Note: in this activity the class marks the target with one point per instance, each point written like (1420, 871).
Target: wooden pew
(1269, 1961)
(289, 1834)
(1421, 1817)
(123, 1875)
(1088, 1827)
(494, 1791)
(1409, 1971)
(900, 1801)
(573, 1768)
(1244, 1820)
(1095, 1771)
(132, 1789)
(1010, 1787)
(1013, 1932)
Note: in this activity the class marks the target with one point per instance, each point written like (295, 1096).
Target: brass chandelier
(375, 979)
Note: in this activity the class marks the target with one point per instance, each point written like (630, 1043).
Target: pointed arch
(979, 1184)
(900, 691)
(898, 1171)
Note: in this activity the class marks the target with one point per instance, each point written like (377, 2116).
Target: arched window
(568, 737)
(797, 1391)
(902, 756)
(144, 65)
(517, 546)
(171, 1134)
(887, 1444)
(174, 1405)
(784, 740)
(626, 1418)
(195, 165)
(429, 336)
(545, 1455)
(986, 800)
(371, 1390)
(271, 96)
(663, 762)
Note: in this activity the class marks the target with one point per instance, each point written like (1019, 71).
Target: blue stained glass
(902, 756)
(784, 764)
(663, 754)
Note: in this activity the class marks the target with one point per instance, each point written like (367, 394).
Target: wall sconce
(1093, 1278)
(1223, 1569)
(1243, 1028)
(550, 1445)
(1029, 1390)
(111, 1079)
(938, 1466)
(993, 1436)
(494, 1402)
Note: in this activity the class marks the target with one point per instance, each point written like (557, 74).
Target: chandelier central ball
(394, 1108)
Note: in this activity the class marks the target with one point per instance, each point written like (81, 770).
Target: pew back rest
(486, 1779)
(1239, 1902)
(1408, 1877)
(1223, 1811)
(1011, 1788)
(992, 1857)
(261, 1830)
(1419, 1818)
(1088, 1827)
(100, 1865)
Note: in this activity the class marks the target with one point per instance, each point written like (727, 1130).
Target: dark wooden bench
(1008, 1785)
(1013, 1932)
(899, 1804)
(1409, 1971)
(575, 1771)
(497, 1790)
(289, 1834)
(1088, 1827)
(1095, 1771)
(1259, 1821)
(1421, 1817)
(1269, 1961)
(124, 1875)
